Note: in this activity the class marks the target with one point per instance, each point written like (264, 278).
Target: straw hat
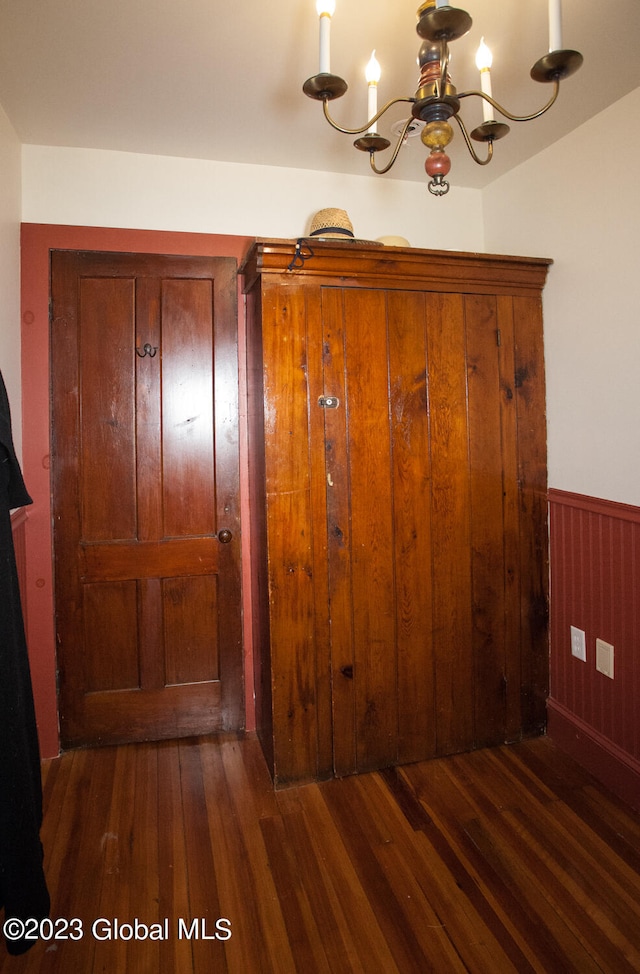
(394, 241)
(332, 222)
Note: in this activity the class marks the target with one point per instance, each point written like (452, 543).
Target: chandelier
(436, 101)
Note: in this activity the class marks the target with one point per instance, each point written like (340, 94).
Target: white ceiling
(214, 79)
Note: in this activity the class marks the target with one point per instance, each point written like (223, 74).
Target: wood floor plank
(511, 859)
(484, 939)
(231, 853)
(353, 909)
(363, 838)
(303, 933)
(204, 900)
(512, 874)
(144, 889)
(567, 879)
(116, 845)
(567, 860)
(173, 875)
(475, 889)
(248, 806)
(585, 905)
(306, 853)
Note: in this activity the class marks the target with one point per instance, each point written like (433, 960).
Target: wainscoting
(595, 586)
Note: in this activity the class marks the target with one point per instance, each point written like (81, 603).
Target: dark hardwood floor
(509, 859)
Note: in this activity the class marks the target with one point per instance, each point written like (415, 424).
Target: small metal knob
(224, 536)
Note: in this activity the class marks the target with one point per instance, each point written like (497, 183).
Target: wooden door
(145, 493)
(422, 524)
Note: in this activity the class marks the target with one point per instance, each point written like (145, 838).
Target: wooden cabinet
(398, 487)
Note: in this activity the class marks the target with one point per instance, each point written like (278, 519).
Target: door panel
(415, 539)
(144, 378)
(188, 453)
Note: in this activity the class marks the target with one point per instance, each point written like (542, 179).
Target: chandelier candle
(555, 25)
(484, 60)
(326, 10)
(372, 74)
(437, 102)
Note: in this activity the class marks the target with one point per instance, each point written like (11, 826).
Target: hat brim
(341, 238)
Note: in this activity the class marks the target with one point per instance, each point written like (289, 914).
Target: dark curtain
(23, 890)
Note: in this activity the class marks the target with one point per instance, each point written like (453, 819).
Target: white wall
(570, 206)
(579, 203)
(88, 187)
(10, 271)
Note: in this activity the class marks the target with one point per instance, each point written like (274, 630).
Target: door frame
(37, 241)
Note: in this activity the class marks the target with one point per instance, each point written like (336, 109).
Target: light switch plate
(578, 644)
(604, 658)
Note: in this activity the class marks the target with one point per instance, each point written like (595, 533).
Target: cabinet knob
(224, 536)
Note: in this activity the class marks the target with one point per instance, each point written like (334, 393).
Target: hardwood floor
(509, 859)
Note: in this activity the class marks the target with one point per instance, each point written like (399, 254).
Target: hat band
(342, 230)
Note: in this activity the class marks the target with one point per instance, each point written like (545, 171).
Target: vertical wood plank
(511, 519)
(370, 465)
(320, 493)
(411, 492)
(257, 437)
(450, 519)
(487, 529)
(338, 532)
(290, 535)
(532, 460)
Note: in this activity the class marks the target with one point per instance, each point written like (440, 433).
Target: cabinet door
(405, 525)
(420, 473)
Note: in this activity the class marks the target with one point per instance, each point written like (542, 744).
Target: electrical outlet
(578, 644)
(604, 658)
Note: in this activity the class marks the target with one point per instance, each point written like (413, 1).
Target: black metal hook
(147, 349)
(299, 257)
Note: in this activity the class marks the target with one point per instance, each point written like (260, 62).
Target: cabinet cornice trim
(369, 265)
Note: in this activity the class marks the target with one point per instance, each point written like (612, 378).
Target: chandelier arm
(444, 65)
(367, 125)
(507, 114)
(398, 146)
(474, 154)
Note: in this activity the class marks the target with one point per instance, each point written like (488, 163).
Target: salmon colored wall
(37, 242)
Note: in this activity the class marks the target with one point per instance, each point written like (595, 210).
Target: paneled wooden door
(145, 492)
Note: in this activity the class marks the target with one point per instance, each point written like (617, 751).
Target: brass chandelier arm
(444, 66)
(507, 114)
(474, 154)
(367, 125)
(398, 146)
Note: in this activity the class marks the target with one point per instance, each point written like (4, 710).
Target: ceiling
(213, 79)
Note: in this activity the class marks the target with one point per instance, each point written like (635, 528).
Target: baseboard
(616, 769)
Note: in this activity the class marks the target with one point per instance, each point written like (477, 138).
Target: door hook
(147, 349)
